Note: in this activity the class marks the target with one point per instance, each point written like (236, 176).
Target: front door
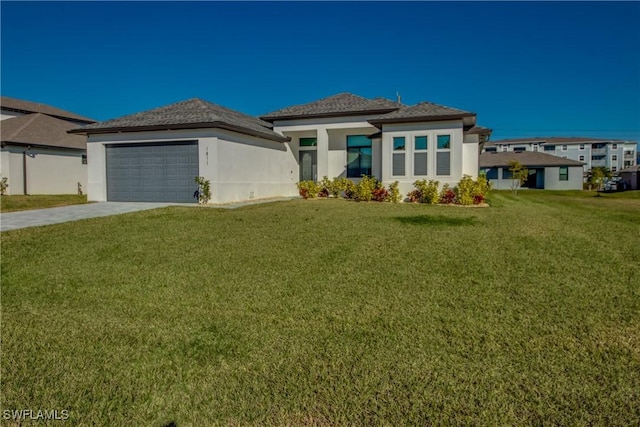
(308, 164)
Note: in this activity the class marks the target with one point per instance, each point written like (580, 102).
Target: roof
(630, 169)
(554, 140)
(526, 158)
(424, 111)
(42, 130)
(26, 107)
(342, 104)
(190, 114)
(479, 130)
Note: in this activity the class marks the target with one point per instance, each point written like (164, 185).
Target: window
(506, 173)
(420, 155)
(308, 142)
(614, 157)
(564, 173)
(549, 148)
(84, 159)
(581, 146)
(492, 173)
(520, 149)
(614, 146)
(443, 155)
(504, 148)
(614, 168)
(398, 161)
(358, 156)
(490, 149)
(582, 158)
(564, 147)
(535, 147)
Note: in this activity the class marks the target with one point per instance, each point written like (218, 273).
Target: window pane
(420, 164)
(564, 173)
(421, 142)
(358, 141)
(444, 142)
(549, 148)
(443, 163)
(398, 143)
(398, 164)
(308, 142)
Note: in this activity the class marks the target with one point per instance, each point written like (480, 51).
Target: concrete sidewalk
(37, 217)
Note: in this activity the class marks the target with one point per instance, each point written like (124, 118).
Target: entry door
(308, 164)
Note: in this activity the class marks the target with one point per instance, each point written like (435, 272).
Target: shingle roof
(23, 106)
(41, 129)
(342, 104)
(419, 112)
(526, 158)
(554, 140)
(190, 114)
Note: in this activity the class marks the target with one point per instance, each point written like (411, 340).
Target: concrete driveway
(36, 217)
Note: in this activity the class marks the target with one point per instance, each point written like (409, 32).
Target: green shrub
(425, 192)
(365, 188)
(338, 186)
(204, 189)
(3, 186)
(309, 189)
(470, 192)
(394, 192)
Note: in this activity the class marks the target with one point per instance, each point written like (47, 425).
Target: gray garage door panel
(152, 172)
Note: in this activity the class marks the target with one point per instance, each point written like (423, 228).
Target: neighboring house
(349, 136)
(593, 152)
(155, 155)
(38, 156)
(631, 176)
(545, 171)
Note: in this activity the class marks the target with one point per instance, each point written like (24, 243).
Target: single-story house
(631, 176)
(38, 155)
(155, 155)
(545, 171)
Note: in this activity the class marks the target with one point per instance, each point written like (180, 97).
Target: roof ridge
(26, 123)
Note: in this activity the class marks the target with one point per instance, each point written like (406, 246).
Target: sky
(526, 68)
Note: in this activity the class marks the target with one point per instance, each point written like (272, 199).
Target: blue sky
(526, 69)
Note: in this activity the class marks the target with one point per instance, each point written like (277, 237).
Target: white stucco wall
(240, 167)
(49, 171)
(431, 130)
(552, 178)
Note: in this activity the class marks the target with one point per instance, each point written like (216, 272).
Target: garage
(156, 172)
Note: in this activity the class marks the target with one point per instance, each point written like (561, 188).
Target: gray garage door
(152, 172)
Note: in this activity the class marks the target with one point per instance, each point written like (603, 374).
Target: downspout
(24, 170)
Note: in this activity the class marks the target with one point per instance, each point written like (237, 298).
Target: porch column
(323, 153)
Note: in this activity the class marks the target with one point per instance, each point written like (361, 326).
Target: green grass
(328, 312)
(22, 203)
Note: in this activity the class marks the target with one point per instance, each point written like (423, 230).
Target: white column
(323, 153)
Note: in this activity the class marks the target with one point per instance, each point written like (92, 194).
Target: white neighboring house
(38, 156)
(593, 152)
(155, 155)
(545, 171)
(348, 136)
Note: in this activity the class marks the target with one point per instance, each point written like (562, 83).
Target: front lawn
(330, 312)
(22, 203)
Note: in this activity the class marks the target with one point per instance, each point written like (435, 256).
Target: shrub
(425, 192)
(447, 195)
(394, 192)
(365, 188)
(3, 185)
(308, 189)
(350, 190)
(470, 192)
(380, 194)
(204, 190)
(338, 185)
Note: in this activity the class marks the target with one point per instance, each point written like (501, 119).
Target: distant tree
(519, 175)
(596, 177)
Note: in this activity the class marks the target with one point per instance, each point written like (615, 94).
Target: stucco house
(155, 155)
(631, 176)
(545, 171)
(38, 156)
